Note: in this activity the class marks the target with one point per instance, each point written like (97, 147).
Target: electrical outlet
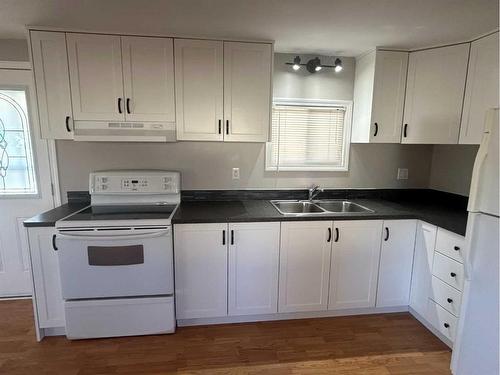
(236, 173)
(402, 173)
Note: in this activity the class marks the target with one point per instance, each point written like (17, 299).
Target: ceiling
(329, 27)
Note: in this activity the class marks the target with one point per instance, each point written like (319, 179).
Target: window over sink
(309, 135)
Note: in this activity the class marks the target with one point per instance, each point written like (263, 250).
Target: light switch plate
(402, 173)
(236, 173)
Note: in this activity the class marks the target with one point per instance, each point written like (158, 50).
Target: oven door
(120, 262)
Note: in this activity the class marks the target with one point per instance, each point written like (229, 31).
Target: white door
(199, 85)
(148, 77)
(46, 278)
(95, 68)
(50, 65)
(247, 91)
(354, 265)
(396, 262)
(25, 183)
(425, 241)
(304, 265)
(481, 92)
(200, 270)
(388, 96)
(434, 94)
(253, 268)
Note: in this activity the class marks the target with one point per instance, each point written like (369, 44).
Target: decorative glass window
(309, 135)
(17, 175)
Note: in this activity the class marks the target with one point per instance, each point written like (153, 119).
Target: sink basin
(340, 206)
(297, 208)
(321, 207)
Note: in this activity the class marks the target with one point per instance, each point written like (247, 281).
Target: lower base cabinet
(304, 265)
(46, 280)
(253, 268)
(354, 264)
(200, 257)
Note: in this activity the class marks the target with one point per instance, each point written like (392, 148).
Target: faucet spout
(314, 191)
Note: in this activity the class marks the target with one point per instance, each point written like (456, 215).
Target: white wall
(13, 50)
(451, 168)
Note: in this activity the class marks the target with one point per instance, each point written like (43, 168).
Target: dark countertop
(49, 218)
(454, 220)
(445, 215)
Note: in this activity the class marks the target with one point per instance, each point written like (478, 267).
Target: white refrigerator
(476, 349)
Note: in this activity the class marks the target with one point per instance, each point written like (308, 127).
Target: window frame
(347, 104)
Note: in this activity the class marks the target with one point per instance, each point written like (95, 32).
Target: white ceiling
(329, 27)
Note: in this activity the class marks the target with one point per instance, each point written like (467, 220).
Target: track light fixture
(314, 65)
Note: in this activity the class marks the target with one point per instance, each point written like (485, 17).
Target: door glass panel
(17, 175)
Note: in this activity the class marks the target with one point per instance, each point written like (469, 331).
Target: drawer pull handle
(446, 325)
(453, 274)
(456, 248)
(449, 300)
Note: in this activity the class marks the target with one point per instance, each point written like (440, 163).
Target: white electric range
(116, 256)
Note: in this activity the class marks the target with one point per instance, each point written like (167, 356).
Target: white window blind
(309, 137)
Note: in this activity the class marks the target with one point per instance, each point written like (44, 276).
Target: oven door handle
(103, 237)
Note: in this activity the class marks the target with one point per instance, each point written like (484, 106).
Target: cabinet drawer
(450, 244)
(449, 298)
(442, 320)
(448, 270)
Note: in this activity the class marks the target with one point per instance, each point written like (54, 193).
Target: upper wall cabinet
(223, 90)
(379, 89)
(95, 67)
(434, 95)
(247, 91)
(50, 66)
(108, 87)
(199, 89)
(481, 90)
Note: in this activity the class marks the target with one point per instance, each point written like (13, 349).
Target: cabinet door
(148, 77)
(304, 265)
(253, 268)
(388, 96)
(247, 91)
(199, 89)
(425, 241)
(50, 66)
(95, 68)
(396, 262)
(481, 91)
(434, 95)
(46, 279)
(200, 270)
(354, 264)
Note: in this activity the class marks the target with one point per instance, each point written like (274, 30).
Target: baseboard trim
(431, 328)
(289, 316)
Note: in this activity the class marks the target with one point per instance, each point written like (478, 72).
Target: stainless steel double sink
(318, 207)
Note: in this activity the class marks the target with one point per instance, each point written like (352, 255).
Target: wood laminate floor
(370, 344)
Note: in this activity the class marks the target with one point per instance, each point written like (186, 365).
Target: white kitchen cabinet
(425, 241)
(46, 280)
(199, 85)
(354, 263)
(253, 268)
(200, 270)
(396, 262)
(481, 90)
(95, 68)
(247, 91)
(379, 93)
(434, 95)
(148, 76)
(304, 265)
(50, 66)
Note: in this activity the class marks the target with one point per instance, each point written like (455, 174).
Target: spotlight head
(314, 65)
(338, 65)
(296, 63)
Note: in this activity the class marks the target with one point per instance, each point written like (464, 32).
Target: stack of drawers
(445, 296)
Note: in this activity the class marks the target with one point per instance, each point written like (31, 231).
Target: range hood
(124, 131)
